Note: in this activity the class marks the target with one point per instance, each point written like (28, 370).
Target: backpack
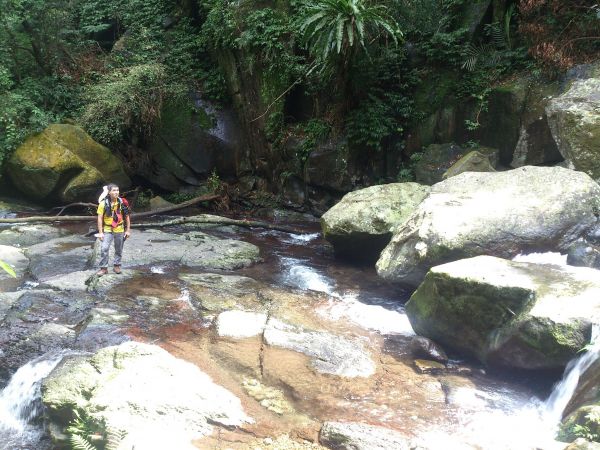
(121, 212)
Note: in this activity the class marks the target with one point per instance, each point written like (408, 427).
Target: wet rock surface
(358, 436)
(276, 344)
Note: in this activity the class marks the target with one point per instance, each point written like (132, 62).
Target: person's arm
(101, 226)
(127, 226)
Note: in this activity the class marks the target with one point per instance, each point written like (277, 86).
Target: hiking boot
(117, 269)
(102, 271)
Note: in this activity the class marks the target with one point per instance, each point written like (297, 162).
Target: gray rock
(501, 214)
(194, 249)
(424, 348)
(582, 444)
(523, 315)
(359, 436)
(536, 146)
(330, 353)
(30, 234)
(436, 160)
(574, 120)
(361, 224)
(583, 254)
(159, 401)
(59, 256)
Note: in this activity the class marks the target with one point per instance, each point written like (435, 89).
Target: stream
(463, 406)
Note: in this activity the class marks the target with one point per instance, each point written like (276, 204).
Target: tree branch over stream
(199, 219)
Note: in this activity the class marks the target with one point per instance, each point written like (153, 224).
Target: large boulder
(63, 163)
(361, 224)
(574, 120)
(506, 313)
(141, 392)
(536, 146)
(500, 214)
(192, 140)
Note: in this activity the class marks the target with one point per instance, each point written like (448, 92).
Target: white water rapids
(20, 403)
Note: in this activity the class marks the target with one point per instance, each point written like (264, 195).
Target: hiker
(113, 213)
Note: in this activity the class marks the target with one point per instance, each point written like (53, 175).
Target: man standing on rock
(113, 211)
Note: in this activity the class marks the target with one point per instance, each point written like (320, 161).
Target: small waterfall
(564, 390)
(20, 401)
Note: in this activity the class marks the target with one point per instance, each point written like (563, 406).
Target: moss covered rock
(63, 163)
(494, 213)
(471, 162)
(524, 315)
(361, 224)
(585, 422)
(436, 160)
(192, 140)
(574, 120)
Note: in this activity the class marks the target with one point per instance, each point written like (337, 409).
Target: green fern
(80, 443)
(114, 438)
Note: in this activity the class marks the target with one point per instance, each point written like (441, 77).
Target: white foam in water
(20, 400)
(306, 278)
(517, 425)
(564, 390)
(542, 258)
(373, 317)
(157, 269)
(304, 237)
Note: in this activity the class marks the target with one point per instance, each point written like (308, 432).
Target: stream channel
(175, 306)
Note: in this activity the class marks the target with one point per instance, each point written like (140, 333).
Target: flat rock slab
(359, 436)
(525, 315)
(59, 256)
(330, 353)
(194, 249)
(30, 234)
(501, 214)
(158, 400)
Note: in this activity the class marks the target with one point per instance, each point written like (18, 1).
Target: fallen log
(220, 220)
(34, 219)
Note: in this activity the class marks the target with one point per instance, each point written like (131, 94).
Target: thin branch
(33, 219)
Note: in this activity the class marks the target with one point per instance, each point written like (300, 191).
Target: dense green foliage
(363, 65)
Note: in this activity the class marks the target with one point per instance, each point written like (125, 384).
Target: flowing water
(20, 404)
(477, 409)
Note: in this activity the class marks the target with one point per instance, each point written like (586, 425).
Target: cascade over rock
(63, 163)
(501, 214)
(523, 315)
(361, 224)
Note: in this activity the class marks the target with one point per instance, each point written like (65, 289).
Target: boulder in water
(63, 163)
(574, 119)
(361, 224)
(142, 392)
(501, 213)
(523, 315)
